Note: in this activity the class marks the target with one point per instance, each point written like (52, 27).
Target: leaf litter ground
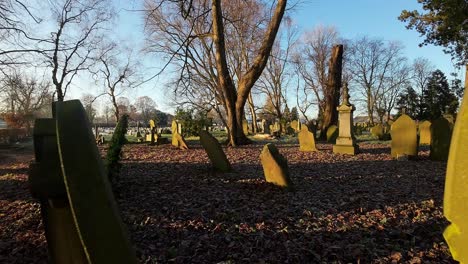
(366, 208)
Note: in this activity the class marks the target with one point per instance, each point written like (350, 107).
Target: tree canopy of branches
(380, 72)
(444, 23)
(197, 36)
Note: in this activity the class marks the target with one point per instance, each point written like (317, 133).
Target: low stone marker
(306, 140)
(80, 216)
(456, 185)
(440, 141)
(215, 152)
(425, 133)
(404, 137)
(332, 134)
(377, 131)
(275, 167)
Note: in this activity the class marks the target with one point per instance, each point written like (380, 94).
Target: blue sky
(373, 18)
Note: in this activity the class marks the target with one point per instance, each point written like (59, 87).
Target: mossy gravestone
(332, 134)
(440, 141)
(80, 216)
(377, 131)
(456, 186)
(404, 137)
(306, 140)
(275, 167)
(215, 151)
(425, 133)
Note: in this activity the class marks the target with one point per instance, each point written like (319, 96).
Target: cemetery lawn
(345, 209)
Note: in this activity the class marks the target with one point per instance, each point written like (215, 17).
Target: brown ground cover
(365, 208)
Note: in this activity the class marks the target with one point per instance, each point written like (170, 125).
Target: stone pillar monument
(346, 142)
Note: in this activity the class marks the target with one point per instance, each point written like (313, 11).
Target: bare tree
(313, 62)
(276, 76)
(118, 74)
(76, 40)
(146, 106)
(233, 95)
(372, 63)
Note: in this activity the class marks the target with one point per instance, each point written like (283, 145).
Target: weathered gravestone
(425, 133)
(275, 167)
(377, 131)
(266, 127)
(152, 131)
(306, 139)
(456, 185)
(346, 142)
(177, 139)
(80, 216)
(440, 140)
(215, 151)
(295, 125)
(332, 133)
(404, 138)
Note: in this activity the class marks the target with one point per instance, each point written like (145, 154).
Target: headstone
(215, 151)
(456, 186)
(295, 125)
(404, 137)
(80, 216)
(346, 142)
(266, 127)
(377, 131)
(440, 140)
(275, 166)
(332, 133)
(306, 140)
(425, 133)
(174, 127)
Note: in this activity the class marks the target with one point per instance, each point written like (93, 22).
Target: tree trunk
(254, 115)
(332, 97)
(235, 99)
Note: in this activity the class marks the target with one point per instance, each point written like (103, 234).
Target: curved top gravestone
(100, 228)
(306, 140)
(456, 184)
(440, 140)
(377, 131)
(425, 133)
(404, 137)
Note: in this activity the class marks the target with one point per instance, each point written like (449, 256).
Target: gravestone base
(344, 149)
(346, 145)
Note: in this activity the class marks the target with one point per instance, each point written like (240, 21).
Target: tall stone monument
(346, 142)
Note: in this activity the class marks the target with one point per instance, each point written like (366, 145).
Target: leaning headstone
(80, 216)
(456, 186)
(275, 166)
(179, 141)
(404, 137)
(425, 133)
(332, 134)
(306, 140)
(377, 131)
(440, 140)
(346, 142)
(215, 151)
(295, 125)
